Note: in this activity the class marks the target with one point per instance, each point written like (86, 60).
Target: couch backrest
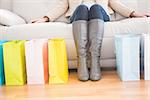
(6, 4)
(144, 4)
(32, 9)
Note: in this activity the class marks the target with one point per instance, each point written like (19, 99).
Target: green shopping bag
(14, 63)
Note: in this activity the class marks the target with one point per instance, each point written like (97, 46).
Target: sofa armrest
(3, 30)
(9, 18)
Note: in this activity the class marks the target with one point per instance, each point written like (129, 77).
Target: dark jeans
(95, 12)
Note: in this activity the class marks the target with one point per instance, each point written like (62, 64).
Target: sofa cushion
(143, 5)
(9, 18)
(25, 8)
(6, 4)
(39, 30)
(33, 9)
(58, 29)
(131, 4)
(130, 25)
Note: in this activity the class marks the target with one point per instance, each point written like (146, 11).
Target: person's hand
(136, 14)
(147, 14)
(41, 20)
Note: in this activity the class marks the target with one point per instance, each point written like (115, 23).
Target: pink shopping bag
(37, 61)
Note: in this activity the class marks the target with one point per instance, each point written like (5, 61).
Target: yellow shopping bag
(14, 63)
(58, 65)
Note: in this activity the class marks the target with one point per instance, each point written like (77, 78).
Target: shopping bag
(37, 61)
(14, 63)
(58, 65)
(146, 56)
(142, 56)
(127, 56)
(2, 78)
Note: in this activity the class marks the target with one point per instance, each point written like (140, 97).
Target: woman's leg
(97, 16)
(97, 12)
(79, 19)
(81, 13)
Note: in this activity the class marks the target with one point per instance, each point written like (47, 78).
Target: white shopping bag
(142, 56)
(37, 61)
(128, 56)
(147, 56)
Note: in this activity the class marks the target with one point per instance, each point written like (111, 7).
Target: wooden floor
(108, 88)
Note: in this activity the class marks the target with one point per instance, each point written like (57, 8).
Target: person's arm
(124, 10)
(55, 12)
(138, 14)
(41, 20)
(58, 10)
(120, 8)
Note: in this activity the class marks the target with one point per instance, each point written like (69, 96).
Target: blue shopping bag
(2, 78)
(128, 56)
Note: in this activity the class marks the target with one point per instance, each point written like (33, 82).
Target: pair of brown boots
(88, 36)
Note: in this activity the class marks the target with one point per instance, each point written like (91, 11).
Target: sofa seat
(64, 30)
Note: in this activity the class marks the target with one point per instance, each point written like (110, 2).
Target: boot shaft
(80, 33)
(96, 31)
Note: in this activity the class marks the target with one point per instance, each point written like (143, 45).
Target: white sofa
(32, 9)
